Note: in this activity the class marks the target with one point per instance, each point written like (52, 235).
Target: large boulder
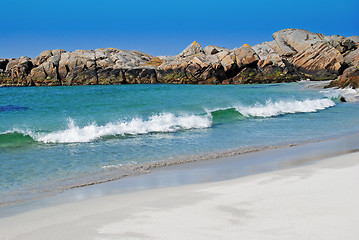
(342, 44)
(84, 67)
(317, 56)
(46, 68)
(192, 66)
(350, 78)
(290, 41)
(78, 68)
(211, 49)
(245, 56)
(228, 61)
(194, 69)
(272, 66)
(320, 61)
(115, 58)
(116, 66)
(193, 49)
(352, 57)
(266, 51)
(16, 72)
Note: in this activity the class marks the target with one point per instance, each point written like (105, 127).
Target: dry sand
(319, 201)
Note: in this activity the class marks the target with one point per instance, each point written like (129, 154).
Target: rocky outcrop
(292, 55)
(350, 77)
(319, 61)
(292, 41)
(16, 72)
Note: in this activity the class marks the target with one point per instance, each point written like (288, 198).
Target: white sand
(319, 201)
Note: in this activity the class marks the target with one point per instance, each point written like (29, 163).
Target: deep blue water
(56, 137)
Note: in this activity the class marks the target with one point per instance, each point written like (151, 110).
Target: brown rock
(16, 72)
(264, 63)
(78, 68)
(111, 76)
(245, 55)
(141, 76)
(229, 62)
(350, 77)
(320, 60)
(352, 57)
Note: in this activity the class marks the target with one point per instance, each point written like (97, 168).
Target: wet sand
(312, 195)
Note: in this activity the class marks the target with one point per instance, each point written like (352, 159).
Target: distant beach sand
(317, 201)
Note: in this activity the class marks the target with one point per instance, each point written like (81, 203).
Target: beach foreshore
(312, 196)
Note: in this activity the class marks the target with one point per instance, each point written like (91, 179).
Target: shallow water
(52, 138)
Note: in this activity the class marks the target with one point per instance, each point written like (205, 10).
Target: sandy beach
(151, 120)
(317, 201)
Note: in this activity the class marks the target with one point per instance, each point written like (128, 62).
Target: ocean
(56, 138)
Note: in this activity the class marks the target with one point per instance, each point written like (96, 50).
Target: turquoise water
(52, 138)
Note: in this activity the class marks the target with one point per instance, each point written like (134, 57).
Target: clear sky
(162, 27)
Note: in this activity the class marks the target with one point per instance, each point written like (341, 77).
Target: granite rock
(294, 54)
(193, 49)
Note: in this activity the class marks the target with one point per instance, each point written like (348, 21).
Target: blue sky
(161, 27)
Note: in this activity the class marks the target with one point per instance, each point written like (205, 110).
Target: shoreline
(302, 201)
(113, 172)
(119, 172)
(231, 165)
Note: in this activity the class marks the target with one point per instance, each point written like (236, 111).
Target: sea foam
(350, 94)
(271, 109)
(166, 122)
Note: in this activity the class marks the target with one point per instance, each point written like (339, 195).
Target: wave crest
(162, 123)
(166, 122)
(271, 109)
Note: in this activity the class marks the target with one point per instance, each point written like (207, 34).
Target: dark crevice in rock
(67, 70)
(96, 68)
(57, 66)
(124, 81)
(155, 75)
(46, 75)
(3, 64)
(58, 74)
(233, 71)
(342, 68)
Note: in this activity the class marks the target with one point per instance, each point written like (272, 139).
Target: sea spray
(349, 94)
(271, 109)
(165, 122)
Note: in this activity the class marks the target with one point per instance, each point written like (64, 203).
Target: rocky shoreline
(294, 54)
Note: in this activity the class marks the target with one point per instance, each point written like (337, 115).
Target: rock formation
(293, 54)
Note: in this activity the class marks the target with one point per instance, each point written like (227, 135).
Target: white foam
(270, 109)
(350, 94)
(166, 122)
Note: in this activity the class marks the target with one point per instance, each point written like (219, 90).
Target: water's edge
(199, 169)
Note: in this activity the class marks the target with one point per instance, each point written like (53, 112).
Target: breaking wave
(349, 94)
(162, 123)
(166, 122)
(271, 109)
(15, 138)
